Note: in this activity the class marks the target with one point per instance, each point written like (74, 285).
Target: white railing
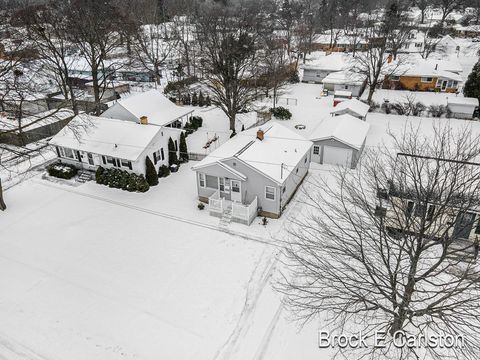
(215, 202)
(245, 213)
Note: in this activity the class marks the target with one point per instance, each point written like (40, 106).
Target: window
(235, 186)
(211, 182)
(269, 192)
(455, 84)
(449, 83)
(427, 79)
(419, 210)
(284, 189)
(158, 156)
(66, 152)
(221, 184)
(162, 154)
(394, 78)
(111, 160)
(296, 171)
(201, 179)
(306, 158)
(418, 45)
(316, 150)
(126, 163)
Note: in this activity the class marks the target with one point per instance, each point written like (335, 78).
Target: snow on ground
(426, 97)
(88, 278)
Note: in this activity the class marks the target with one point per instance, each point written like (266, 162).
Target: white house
(352, 107)
(345, 80)
(151, 107)
(90, 141)
(462, 107)
(339, 140)
(258, 170)
(316, 70)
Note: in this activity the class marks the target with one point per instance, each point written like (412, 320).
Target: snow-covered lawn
(87, 278)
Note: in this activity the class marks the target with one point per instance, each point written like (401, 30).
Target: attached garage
(339, 140)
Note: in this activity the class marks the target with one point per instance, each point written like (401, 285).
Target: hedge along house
(352, 107)
(89, 142)
(426, 75)
(257, 171)
(345, 81)
(152, 105)
(339, 140)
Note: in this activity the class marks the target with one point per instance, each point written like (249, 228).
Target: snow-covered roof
(332, 62)
(354, 105)
(154, 105)
(346, 129)
(344, 78)
(276, 156)
(430, 68)
(121, 139)
(37, 120)
(458, 100)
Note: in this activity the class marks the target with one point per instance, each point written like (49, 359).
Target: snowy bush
(201, 206)
(281, 113)
(437, 110)
(62, 171)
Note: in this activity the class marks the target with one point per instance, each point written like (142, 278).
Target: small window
(306, 159)
(316, 150)
(427, 79)
(201, 179)
(409, 208)
(269, 192)
(296, 171)
(394, 78)
(221, 183)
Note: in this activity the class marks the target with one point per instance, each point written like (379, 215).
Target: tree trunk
(371, 90)
(96, 90)
(232, 119)
(2, 203)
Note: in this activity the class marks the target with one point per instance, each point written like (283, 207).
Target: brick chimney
(260, 134)
(144, 120)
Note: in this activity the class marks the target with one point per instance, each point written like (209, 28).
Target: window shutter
(103, 159)
(155, 158)
(162, 154)
(130, 165)
(58, 151)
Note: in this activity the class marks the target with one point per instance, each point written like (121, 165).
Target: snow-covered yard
(88, 278)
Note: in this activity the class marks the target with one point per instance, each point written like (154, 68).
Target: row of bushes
(179, 85)
(193, 124)
(121, 179)
(62, 171)
(412, 109)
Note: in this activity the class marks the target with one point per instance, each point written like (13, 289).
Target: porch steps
(226, 218)
(84, 176)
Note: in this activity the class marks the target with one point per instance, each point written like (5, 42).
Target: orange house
(424, 76)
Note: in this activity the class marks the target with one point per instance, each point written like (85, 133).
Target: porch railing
(216, 203)
(245, 213)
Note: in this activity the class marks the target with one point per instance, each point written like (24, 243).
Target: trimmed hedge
(163, 171)
(62, 171)
(121, 179)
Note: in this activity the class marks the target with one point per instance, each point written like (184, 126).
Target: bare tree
(229, 57)
(429, 44)
(390, 247)
(422, 6)
(48, 29)
(448, 6)
(95, 31)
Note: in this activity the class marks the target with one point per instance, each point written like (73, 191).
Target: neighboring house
(404, 212)
(339, 140)
(352, 107)
(258, 169)
(34, 127)
(426, 75)
(315, 71)
(345, 80)
(150, 106)
(470, 31)
(339, 42)
(90, 141)
(415, 42)
(110, 90)
(462, 107)
(447, 45)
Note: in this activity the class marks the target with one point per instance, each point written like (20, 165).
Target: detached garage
(339, 140)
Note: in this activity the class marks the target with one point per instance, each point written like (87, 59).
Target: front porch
(242, 213)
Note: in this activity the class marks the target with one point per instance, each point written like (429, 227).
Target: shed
(352, 107)
(339, 140)
(462, 107)
(345, 80)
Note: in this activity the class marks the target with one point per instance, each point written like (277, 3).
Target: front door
(236, 193)
(90, 158)
(463, 225)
